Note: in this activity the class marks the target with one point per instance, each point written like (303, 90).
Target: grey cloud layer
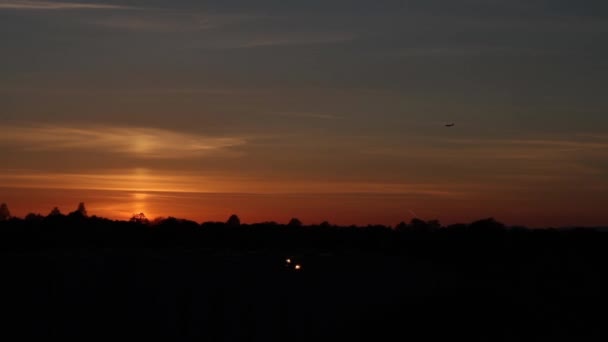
(56, 5)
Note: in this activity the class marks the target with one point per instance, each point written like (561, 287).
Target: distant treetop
(233, 221)
(325, 224)
(33, 217)
(81, 211)
(294, 222)
(5, 214)
(55, 212)
(139, 218)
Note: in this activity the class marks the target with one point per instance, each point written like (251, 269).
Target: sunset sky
(317, 109)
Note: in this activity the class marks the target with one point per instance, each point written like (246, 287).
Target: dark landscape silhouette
(86, 277)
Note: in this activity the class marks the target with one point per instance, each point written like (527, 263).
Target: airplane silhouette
(449, 125)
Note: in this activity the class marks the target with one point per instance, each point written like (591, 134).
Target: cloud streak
(511, 162)
(293, 39)
(160, 22)
(308, 115)
(141, 179)
(509, 149)
(55, 5)
(132, 141)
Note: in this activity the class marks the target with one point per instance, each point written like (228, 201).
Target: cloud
(308, 115)
(587, 143)
(159, 22)
(295, 39)
(147, 180)
(54, 5)
(520, 160)
(272, 39)
(472, 51)
(170, 21)
(133, 141)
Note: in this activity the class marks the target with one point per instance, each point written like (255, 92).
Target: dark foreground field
(90, 279)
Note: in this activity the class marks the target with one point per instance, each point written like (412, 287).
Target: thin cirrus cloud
(293, 39)
(55, 5)
(520, 148)
(178, 182)
(135, 142)
(307, 115)
(176, 22)
(553, 160)
(559, 148)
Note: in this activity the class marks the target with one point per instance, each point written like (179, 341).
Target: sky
(318, 109)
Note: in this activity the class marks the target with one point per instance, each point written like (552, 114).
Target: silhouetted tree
(81, 211)
(457, 228)
(433, 225)
(402, 226)
(418, 225)
(158, 220)
(233, 221)
(325, 224)
(31, 217)
(294, 222)
(55, 212)
(486, 225)
(169, 222)
(5, 214)
(139, 218)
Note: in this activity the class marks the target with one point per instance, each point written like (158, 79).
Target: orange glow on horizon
(340, 209)
(215, 199)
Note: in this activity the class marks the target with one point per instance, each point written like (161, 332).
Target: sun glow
(139, 203)
(136, 142)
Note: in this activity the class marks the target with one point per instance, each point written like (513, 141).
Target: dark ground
(91, 280)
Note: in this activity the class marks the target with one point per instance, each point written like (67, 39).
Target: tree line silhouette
(75, 275)
(77, 228)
